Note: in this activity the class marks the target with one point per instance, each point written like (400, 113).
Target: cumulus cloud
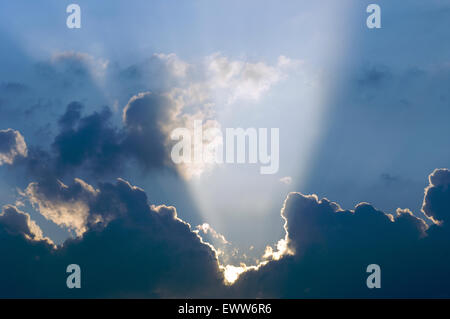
(175, 65)
(90, 141)
(216, 78)
(242, 79)
(325, 248)
(16, 222)
(230, 257)
(332, 248)
(129, 248)
(145, 250)
(156, 96)
(191, 92)
(12, 145)
(437, 200)
(92, 144)
(64, 205)
(145, 117)
(217, 82)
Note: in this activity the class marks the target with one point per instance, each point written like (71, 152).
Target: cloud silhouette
(150, 99)
(94, 145)
(91, 141)
(145, 117)
(16, 222)
(332, 248)
(130, 248)
(127, 247)
(12, 145)
(436, 203)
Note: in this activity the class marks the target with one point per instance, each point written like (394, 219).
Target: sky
(87, 174)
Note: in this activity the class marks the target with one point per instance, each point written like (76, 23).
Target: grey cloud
(145, 117)
(436, 203)
(333, 247)
(90, 141)
(12, 145)
(144, 251)
(17, 222)
(66, 206)
(94, 145)
(94, 142)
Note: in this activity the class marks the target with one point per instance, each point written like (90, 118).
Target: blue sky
(363, 113)
(126, 35)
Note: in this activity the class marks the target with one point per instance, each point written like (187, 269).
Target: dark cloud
(16, 222)
(93, 144)
(145, 118)
(143, 251)
(91, 141)
(132, 249)
(72, 115)
(12, 145)
(333, 247)
(23, 264)
(436, 203)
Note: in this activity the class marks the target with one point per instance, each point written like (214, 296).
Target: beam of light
(224, 195)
